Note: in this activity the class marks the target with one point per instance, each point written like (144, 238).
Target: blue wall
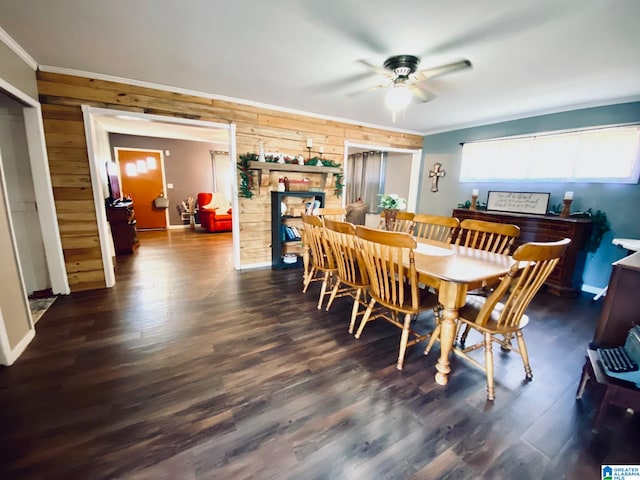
(621, 202)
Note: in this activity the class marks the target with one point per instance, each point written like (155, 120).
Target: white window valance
(603, 155)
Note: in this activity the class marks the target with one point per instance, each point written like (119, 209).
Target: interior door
(142, 180)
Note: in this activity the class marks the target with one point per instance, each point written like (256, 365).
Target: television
(113, 182)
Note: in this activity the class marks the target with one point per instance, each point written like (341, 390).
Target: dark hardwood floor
(188, 369)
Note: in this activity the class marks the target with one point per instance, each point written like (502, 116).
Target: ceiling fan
(404, 77)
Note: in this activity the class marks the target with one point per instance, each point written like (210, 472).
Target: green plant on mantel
(467, 205)
(246, 179)
(339, 184)
(291, 160)
(317, 161)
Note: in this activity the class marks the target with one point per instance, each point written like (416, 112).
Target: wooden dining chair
(434, 227)
(322, 262)
(332, 213)
(491, 237)
(503, 313)
(488, 236)
(403, 223)
(351, 278)
(392, 284)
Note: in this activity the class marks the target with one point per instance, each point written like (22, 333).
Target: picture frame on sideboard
(535, 203)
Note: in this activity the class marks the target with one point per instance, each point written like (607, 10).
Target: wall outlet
(169, 186)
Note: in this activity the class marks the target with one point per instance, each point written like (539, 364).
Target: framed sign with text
(535, 203)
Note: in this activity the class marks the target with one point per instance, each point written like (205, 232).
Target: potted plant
(600, 227)
(391, 204)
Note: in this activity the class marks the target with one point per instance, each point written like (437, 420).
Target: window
(604, 155)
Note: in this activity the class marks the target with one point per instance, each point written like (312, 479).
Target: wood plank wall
(62, 96)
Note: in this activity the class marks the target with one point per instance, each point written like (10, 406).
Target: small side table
(615, 393)
(632, 245)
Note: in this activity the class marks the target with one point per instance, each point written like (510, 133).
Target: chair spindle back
(391, 284)
(403, 222)
(332, 213)
(434, 227)
(521, 284)
(342, 239)
(321, 255)
(488, 236)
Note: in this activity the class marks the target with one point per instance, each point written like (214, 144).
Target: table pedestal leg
(447, 332)
(451, 296)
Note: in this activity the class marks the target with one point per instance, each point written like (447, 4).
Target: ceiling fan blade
(422, 94)
(346, 19)
(367, 90)
(429, 73)
(376, 68)
(500, 27)
(341, 83)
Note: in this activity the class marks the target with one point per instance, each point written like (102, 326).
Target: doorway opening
(32, 256)
(102, 124)
(375, 169)
(23, 160)
(189, 168)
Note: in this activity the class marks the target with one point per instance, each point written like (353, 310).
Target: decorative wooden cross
(435, 174)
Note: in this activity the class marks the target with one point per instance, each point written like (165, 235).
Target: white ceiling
(529, 57)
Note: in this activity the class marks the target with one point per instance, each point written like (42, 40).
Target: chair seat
(472, 309)
(222, 217)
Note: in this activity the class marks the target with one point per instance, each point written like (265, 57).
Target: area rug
(39, 306)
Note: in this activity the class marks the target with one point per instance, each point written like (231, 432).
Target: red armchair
(214, 212)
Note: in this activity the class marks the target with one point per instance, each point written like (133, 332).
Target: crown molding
(539, 113)
(213, 96)
(17, 49)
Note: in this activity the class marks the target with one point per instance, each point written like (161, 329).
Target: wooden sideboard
(621, 309)
(122, 220)
(566, 278)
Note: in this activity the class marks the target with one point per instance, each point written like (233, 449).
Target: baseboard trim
(21, 346)
(9, 355)
(46, 293)
(254, 265)
(591, 289)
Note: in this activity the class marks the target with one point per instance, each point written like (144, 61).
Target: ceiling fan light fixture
(398, 98)
(403, 77)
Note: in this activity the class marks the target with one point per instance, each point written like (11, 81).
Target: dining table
(453, 271)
